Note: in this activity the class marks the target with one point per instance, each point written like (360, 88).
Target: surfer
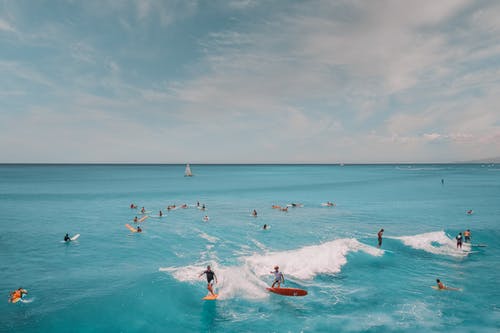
(254, 213)
(278, 277)
(264, 227)
(210, 279)
(139, 229)
(67, 238)
(441, 286)
(135, 219)
(143, 210)
(467, 236)
(132, 206)
(330, 204)
(17, 294)
(379, 236)
(160, 214)
(206, 218)
(470, 211)
(459, 240)
(442, 181)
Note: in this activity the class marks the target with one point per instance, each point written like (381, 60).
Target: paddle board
(131, 228)
(288, 291)
(210, 297)
(75, 237)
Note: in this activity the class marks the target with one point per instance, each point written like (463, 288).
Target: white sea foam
(248, 279)
(434, 242)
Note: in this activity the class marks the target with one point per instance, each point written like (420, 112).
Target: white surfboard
(75, 237)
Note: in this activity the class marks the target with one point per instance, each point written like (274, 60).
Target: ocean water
(112, 280)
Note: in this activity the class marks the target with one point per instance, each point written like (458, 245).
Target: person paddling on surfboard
(278, 277)
(210, 279)
(67, 238)
(17, 295)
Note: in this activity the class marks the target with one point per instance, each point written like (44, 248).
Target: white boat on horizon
(187, 172)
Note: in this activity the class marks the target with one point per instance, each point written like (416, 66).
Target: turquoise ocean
(113, 280)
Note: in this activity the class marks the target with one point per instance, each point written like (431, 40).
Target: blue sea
(113, 280)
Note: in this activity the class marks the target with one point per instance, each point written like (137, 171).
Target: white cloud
(6, 26)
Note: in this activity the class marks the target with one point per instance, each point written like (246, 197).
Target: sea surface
(113, 280)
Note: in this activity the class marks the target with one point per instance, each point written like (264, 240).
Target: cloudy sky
(249, 81)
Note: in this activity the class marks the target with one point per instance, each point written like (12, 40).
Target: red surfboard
(288, 291)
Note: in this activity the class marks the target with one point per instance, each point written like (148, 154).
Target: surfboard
(478, 245)
(131, 228)
(288, 291)
(447, 288)
(142, 219)
(210, 297)
(75, 237)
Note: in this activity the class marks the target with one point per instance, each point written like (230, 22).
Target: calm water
(112, 280)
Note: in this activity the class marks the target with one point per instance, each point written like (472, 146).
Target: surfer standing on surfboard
(379, 236)
(278, 277)
(210, 279)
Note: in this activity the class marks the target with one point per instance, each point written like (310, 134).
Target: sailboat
(187, 172)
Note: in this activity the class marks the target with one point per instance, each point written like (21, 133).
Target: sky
(249, 81)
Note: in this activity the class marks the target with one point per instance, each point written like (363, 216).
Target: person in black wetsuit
(210, 279)
(67, 238)
(379, 237)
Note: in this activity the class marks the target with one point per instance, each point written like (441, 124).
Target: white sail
(188, 172)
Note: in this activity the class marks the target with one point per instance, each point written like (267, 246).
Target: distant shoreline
(237, 164)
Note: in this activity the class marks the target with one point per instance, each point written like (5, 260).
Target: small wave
(246, 280)
(433, 242)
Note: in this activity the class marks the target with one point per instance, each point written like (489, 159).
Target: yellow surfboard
(131, 228)
(142, 219)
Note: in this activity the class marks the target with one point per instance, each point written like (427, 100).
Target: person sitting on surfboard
(254, 213)
(67, 238)
(264, 227)
(278, 277)
(17, 294)
(441, 286)
(210, 279)
(160, 214)
(132, 206)
(139, 229)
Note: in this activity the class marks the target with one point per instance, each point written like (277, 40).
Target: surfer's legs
(209, 287)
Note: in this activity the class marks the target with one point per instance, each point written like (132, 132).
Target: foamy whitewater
(111, 279)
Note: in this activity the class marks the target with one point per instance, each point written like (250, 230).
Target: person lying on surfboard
(17, 294)
(278, 277)
(210, 279)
